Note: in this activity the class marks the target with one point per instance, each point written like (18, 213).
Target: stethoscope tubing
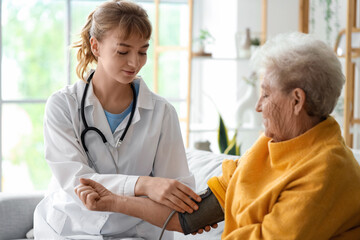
(87, 128)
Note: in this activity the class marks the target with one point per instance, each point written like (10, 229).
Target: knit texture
(304, 188)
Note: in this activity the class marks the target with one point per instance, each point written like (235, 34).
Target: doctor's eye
(143, 53)
(122, 53)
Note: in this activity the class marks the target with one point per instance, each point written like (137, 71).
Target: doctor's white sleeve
(64, 153)
(170, 159)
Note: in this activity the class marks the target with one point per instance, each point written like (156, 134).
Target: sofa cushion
(16, 214)
(205, 165)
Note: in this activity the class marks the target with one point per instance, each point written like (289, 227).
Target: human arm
(95, 197)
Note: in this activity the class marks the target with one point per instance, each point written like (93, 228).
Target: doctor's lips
(129, 72)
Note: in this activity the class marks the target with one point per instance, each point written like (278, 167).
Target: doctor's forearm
(148, 210)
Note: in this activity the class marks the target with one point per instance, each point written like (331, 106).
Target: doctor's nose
(133, 60)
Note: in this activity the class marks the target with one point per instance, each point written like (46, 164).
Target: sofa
(16, 210)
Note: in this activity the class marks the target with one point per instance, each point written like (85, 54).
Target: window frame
(28, 100)
(68, 64)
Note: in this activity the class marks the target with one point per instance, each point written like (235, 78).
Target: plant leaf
(238, 149)
(223, 139)
(232, 148)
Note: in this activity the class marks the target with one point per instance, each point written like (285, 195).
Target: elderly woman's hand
(95, 196)
(168, 192)
(206, 229)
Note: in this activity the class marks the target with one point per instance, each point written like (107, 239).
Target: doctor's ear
(94, 43)
(299, 97)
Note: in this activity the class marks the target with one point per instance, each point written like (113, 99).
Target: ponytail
(84, 54)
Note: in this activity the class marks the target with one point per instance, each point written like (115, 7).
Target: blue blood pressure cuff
(209, 213)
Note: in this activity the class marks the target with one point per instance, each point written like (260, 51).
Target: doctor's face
(121, 59)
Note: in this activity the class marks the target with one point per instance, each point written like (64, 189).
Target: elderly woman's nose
(258, 106)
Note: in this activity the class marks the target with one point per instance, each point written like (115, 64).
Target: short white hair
(298, 60)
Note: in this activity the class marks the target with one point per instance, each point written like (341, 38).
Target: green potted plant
(226, 146)
(203, 40)
(255, 41)
(330, 9)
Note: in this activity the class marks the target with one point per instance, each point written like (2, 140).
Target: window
(36, 61)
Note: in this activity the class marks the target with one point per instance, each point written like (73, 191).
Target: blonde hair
(129, 17)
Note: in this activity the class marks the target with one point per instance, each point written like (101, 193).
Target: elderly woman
(299, 180)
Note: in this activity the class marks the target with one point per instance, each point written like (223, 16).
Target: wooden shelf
(220, 58)
(349, 100)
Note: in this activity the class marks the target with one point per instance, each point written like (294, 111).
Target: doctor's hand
(168, 192)
(95, 196)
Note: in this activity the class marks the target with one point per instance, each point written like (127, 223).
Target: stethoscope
(87, 128)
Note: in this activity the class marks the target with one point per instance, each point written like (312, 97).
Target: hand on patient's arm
(168, 192)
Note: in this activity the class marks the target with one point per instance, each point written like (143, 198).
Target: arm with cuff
(97, 198)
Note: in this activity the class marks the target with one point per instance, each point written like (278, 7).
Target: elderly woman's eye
(121, 53)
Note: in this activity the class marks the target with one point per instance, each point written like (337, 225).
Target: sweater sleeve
(218, 185)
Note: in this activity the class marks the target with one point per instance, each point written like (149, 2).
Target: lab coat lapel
(144, 100)
(99, 153)
(94, 112)
(97, 115)
(145, 95)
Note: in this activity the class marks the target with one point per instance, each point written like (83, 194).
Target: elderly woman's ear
(299, 98)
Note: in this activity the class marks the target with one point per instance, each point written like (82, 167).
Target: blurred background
(198, 59)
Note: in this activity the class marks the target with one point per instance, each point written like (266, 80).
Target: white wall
(222, 79)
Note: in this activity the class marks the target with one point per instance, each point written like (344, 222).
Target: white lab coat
(153, 146)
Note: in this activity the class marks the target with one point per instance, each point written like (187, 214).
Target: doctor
(111, 128)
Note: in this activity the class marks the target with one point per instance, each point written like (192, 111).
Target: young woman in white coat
(111, 128)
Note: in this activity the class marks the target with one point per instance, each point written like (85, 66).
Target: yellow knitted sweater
(304, 188)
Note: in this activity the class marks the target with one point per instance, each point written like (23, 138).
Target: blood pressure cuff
(209, 213)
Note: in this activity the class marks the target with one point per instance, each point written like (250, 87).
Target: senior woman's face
(276, 109)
